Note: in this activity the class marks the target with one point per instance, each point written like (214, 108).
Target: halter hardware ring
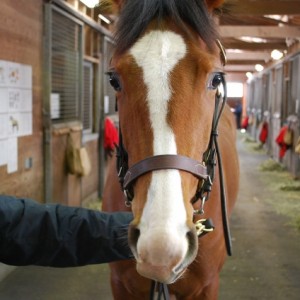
(128, 203)
(128, 197)
(201, 210)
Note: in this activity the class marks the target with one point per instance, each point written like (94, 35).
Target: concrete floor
(265, 263)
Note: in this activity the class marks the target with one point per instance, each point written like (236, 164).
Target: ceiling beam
(248, 55)
(227, 31)
(245, 62)
(262, 7)
(254, 46)
(239, 68)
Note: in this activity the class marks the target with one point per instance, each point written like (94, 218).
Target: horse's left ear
(213, 4)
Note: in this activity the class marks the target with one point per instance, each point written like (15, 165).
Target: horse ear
(213, 4)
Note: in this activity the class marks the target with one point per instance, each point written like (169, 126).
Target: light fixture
(234, 51)
(251, 39)
(103, 18)
(259, 67)
(276, 54)
(282, 18)
(90, 3)
(249, 75)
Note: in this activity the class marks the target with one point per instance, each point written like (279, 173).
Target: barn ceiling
(252, 29)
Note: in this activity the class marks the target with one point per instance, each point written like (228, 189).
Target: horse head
(166, 73)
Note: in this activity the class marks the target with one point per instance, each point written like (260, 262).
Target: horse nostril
(133, 236)
(192, 240)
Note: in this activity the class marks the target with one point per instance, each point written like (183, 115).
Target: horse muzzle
(163, 256)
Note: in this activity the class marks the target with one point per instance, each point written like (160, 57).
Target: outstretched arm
(60, 236)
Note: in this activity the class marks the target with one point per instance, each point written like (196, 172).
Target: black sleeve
(60, 236)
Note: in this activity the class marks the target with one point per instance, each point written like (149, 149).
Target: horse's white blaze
(164, 215)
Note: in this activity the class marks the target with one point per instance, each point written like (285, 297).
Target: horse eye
(215, 81)
(115, 81)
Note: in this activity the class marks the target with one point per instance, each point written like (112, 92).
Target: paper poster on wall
(55, 105)
(15, 109)
(3, 152)
(12, 158)
(3, 71)
(3, 126)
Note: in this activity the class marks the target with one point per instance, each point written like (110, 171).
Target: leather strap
(161, 162)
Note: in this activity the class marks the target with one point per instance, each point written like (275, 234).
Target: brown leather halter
(205, 172)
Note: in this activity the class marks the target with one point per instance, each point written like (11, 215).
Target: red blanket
(111, 136)
(280, 141)
(264, 132)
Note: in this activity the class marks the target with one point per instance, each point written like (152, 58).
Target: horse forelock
(136, 15)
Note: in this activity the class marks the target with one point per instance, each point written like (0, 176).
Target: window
(87, 115)
(66, 65)
(235, 90)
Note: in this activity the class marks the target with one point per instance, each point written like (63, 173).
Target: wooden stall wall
(274, 97)
(90, 182)
(21, 42)
(74, 75)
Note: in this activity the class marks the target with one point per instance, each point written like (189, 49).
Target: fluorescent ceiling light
(249, 75)
(234, 51)
(276, 54)
(282, 18)
(90, 3)
(259, 67)
(103, 18)
(250, 39)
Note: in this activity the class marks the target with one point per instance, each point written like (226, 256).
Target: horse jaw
(162, 242)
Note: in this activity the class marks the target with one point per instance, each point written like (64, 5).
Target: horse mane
(136, 15)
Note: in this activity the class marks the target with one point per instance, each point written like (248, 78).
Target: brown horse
(166, 71)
